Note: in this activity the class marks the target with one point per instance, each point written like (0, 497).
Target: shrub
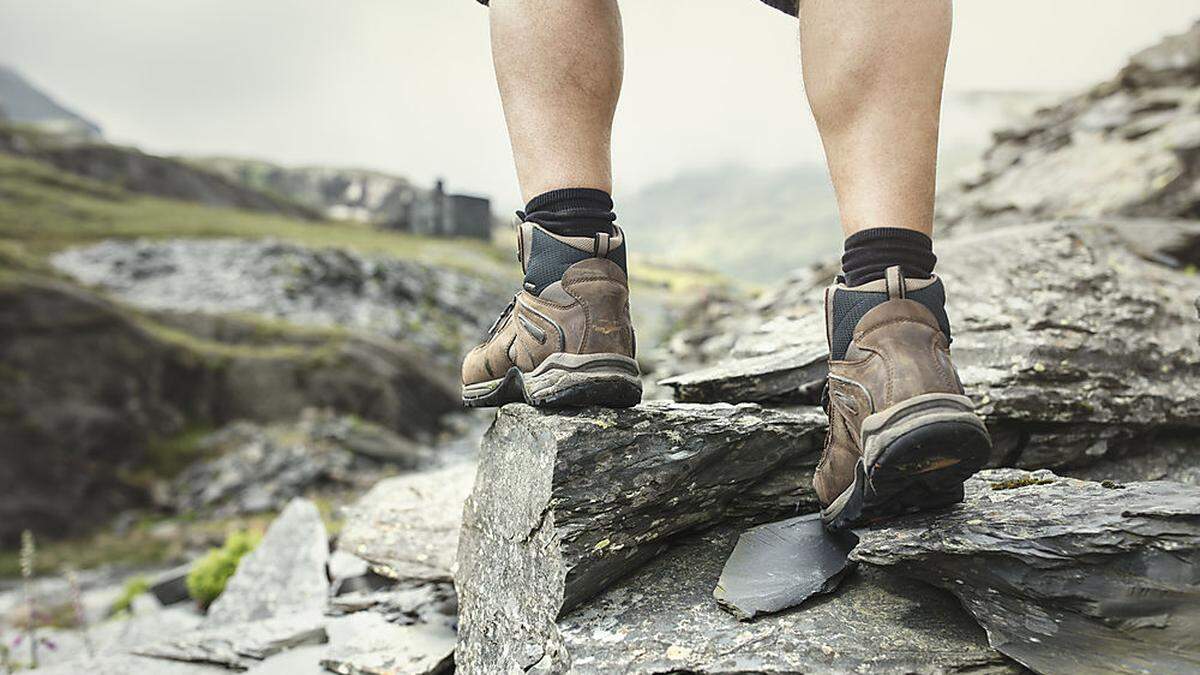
(207, 578)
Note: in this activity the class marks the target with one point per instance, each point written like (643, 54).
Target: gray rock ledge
(1065, 575)
(567, 502)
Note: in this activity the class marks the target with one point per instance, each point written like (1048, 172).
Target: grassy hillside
(43, 209)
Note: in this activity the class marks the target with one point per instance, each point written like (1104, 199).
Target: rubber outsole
(920, 469)
(564, 381)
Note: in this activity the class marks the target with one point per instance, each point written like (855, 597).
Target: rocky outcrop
(407, 527)
(259, 468)
(1127, 147)
(663, 619)
(87, 385)
(1074, 343)
(567, 502)
(436, 309)
(1065, 575)
(283, 576)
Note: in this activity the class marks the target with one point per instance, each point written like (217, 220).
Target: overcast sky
(406, 85)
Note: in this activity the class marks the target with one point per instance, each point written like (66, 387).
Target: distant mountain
(23, 103)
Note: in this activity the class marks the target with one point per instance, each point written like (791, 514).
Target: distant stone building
(446, 215)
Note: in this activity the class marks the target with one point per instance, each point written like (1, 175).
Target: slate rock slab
(407, 527)
(662, 619)
(285, 575)
(381, 648)
(568, 501)
(780, 565)
(241, 645)
(1065, 575)
(1073, 344)
(794, 373)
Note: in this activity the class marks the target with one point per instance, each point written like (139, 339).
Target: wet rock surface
(1065, 575)
(283, 576)
(407, 527)
(663, 619)
(567, 502)
(1127, 147)
(437, 309)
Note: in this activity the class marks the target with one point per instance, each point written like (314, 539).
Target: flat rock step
(566, 502)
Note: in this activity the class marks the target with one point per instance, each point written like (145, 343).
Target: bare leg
(873, 72)
(559, 66)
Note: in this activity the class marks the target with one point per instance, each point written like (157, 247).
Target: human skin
(873, 73)
(559, 65)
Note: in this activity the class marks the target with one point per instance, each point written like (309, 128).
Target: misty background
(712, 119)
(407, 87)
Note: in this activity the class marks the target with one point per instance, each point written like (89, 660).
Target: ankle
(572, 212)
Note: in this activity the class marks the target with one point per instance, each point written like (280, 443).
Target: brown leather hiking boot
(902, 436)
(566, 338)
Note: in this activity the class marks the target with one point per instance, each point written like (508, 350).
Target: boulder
(1065, 575)
(1075, 345)
(663, 619)
(566, 502)
(87, 386)
(283, 576)
(407, 527)
(1126, 147)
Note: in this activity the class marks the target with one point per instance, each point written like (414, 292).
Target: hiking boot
(902, 436)
(566, 338)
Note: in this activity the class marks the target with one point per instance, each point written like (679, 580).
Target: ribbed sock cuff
(868, 254)
(577, 212)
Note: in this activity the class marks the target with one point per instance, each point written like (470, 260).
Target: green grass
(43, 210)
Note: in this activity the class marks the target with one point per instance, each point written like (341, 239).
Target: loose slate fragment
(780, 565)
(407, 527)
(567, 502)
(376, 647)
(1065, 575)
(241, 645)
(284, 575)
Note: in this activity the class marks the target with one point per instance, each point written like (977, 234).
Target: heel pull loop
(603, 244)
(895, 283)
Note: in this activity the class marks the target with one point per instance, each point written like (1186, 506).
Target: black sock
(572, 212)
(870, 252)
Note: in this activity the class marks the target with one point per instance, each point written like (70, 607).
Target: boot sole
(916, 456)
(564, 381)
